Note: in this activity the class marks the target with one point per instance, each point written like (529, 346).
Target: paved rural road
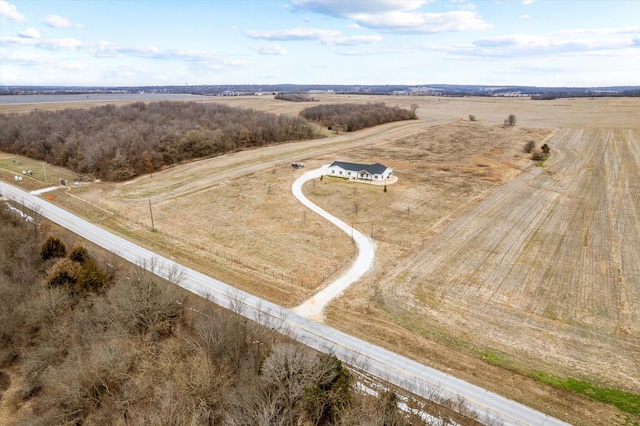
(377, 361)
(314, 306)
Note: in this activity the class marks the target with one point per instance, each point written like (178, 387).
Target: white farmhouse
(365, 172)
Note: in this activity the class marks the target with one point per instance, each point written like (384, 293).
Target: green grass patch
(496, 359)
(18, 164)
(544, 160)
(625, 401)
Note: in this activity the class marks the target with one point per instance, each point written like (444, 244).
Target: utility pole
(153, 228)
(45, 174)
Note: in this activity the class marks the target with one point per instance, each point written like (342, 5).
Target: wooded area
(138, 350)
(294, 97)
(118, 143)
(352, 117)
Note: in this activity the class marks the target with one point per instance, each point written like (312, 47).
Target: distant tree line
(294, 97)
(352, 117)
(585, 94)
(449, 90)
(117, 143)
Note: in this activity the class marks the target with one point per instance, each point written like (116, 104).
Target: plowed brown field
(559, 246)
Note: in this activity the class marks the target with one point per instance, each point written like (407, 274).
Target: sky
(369, 42)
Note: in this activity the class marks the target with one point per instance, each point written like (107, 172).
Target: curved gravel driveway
(313, 308)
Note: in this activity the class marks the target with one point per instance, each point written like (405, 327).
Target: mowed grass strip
(625, 401)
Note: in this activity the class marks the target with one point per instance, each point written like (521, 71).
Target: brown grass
(479, 251)
(515, 275)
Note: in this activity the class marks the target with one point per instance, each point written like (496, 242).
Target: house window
(340, 171)
(348, 173)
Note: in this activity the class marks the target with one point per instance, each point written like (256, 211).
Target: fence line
(258, 267)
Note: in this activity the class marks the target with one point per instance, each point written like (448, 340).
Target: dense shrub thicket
(142, 351)
(117, 143)
(352, 117)
(53, 247)
(79, 273)
(294, 97)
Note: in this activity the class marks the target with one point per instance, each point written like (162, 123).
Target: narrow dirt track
(556, 246)
(203, 175)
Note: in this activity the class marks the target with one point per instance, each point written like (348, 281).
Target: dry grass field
(487, 265)
(542, 274)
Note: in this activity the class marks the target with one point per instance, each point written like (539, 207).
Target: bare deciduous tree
(510, 121)
(352, 117)
(529, 146)
(144, 305)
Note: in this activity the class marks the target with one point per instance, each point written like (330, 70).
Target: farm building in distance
(371, 173)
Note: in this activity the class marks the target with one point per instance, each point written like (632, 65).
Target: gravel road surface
(313, 307)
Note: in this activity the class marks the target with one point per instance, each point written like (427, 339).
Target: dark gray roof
(373, 169)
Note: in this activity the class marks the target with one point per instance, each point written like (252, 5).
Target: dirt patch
(12, 412)
(5, 381)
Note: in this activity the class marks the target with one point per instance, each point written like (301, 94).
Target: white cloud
(367, 52)
(345, 9)
(30, 33)
(56, 21)
(105, 49)
(520, 45)
(49, 44)
(423, 22)
(466, 6)
(7, 10)
(294, 34)
(358, 52)
(327, 37)
(270, 49)
(396, 15)
(61, 43)
(525, 2)
(601, 31)
(353, 40)
(525, 17)
(71, 66)
(24, 59)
